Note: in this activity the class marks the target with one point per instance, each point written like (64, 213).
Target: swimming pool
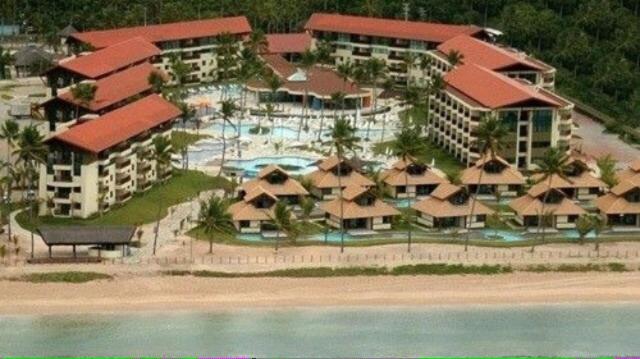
(204, 150)
(331, 237)
(294, 165)
(278, 131)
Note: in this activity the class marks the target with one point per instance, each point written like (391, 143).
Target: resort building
(112, 92)
(580, 183)
(194, 42)
(633, 170)
(314, 86)
(410, 179)
(100, 64)
(494, 57)
(560, 211)
(495, 177)
(289, 46)
(254, 212)
(359, 209)
(277, 182)
(536, 118)
(103, 162)
(356, 38)
(333, 174)
(449, 206)
(621, 206)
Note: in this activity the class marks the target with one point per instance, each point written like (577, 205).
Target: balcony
(122, 162)
(144, 167)
(361, 52)
(63, 177)
(122, 195)
(120, 180)
(396, 56)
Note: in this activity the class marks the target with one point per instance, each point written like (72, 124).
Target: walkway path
(597, 143)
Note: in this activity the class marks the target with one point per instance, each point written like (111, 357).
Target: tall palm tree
(283, 220)
(226, 57)
(307, 60)
(228, 109)
(7, 181)
(269, 110)
(257, 42)
(214, 218)
(408, 146)
(31, 150)
(376, 70)
(337, 98)
(490, 140)
(387, 86)
(248, 69)
(409, 61)
(162, 152)
(179, 72)
(345, 71)
(10, 132)
(5, 60)
(454, 57)
(323, 53)
(598, 224)
(83, 93)
(554, 163)
(343, 140)
(433, 87)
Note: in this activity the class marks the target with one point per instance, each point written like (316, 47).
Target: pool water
(507, 236)
(290, 133)
(294, 165)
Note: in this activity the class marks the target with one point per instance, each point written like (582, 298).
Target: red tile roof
(112, 58)
(117, 87)
(493, 90)
(487, 55)
(288, 43)
(399, 29)
(120, 125)
(320, 82)
(167, 32)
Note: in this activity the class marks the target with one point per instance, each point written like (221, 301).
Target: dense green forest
(595, 44)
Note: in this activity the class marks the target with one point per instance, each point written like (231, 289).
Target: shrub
(63, 277)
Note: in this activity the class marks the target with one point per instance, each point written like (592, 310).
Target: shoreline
(188, 294)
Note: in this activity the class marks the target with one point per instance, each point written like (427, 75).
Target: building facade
(193, 42)
(95, 165)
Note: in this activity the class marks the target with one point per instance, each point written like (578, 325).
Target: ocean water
(438, 331)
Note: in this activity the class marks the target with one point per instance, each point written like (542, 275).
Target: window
(401, 189)
(245, 224)
(386, 219)
(326, 191)
(573, 218)
(481, 218)
(542, 120)
(510, 120)
(541, 144)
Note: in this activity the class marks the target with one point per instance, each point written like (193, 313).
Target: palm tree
(257, 42)
(10, 132)
(376, 70)
(228, 109)
(607, 167)
(307, 204)
(283, 220)
(345, 71)
(343, 140)
(490, 140)
(434, 86)
(387, 86)
(307, 60)
(408, 146)
(162, 152)
(31, 151)
(157, 81)
(337, 98)
(8, 180)
(5, 60)
(226, 56)
(553, 163)
(409, 61)
(598, 224)
(83, 93)
(323, 53)
(379, 189)
(269, 110)
(454, 57)
(214, 218)
(249, 68)
(179, 71)
(584, 225)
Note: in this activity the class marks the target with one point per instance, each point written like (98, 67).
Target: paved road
(595, 142)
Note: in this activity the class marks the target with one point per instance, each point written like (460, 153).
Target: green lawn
(145, 207)
(180, 139)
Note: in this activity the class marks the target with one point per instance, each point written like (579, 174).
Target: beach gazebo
(103, 241)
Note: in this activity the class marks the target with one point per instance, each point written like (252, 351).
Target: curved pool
(295, 165)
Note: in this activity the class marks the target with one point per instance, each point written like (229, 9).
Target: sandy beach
(158, 293)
